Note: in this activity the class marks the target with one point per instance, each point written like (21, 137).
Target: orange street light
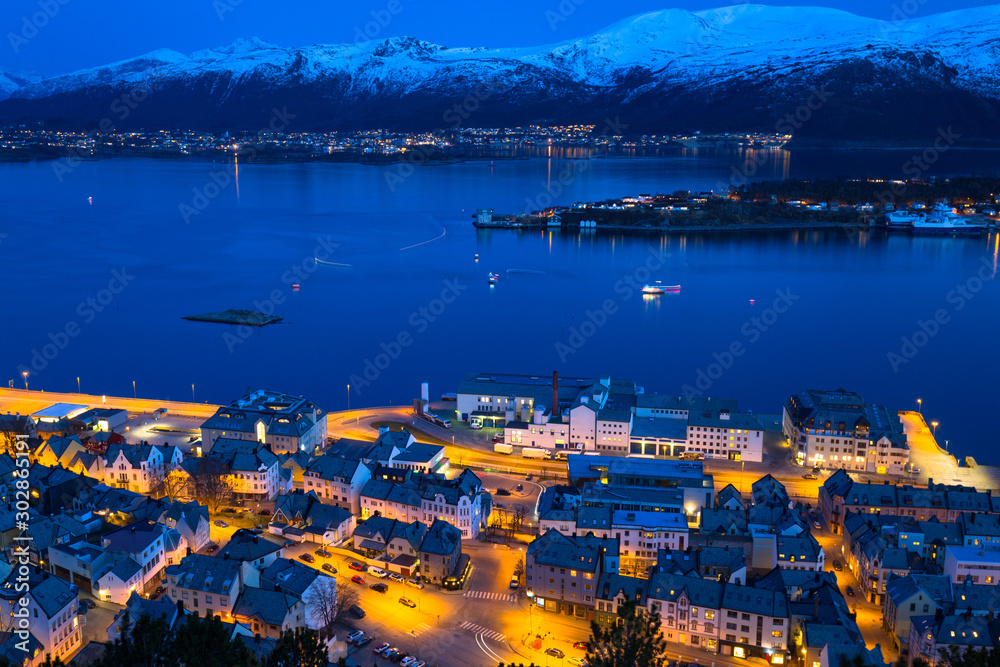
(934, 425)
(920, 405)
(24, 374)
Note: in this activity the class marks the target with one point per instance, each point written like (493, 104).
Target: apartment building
(757, 624)
(209, 585)
(337, 481)
(690, 608)
(723, 434)
(144, 542)
(562, 573)
(253, 470)
(283, 422)
(52, 616)
(979, 564)
(838, 429)
(426, 498)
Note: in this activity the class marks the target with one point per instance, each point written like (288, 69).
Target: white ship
(942, 219)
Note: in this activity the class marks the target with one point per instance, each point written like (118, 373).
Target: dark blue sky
(83, 33)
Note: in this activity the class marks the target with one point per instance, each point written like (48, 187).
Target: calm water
(409, 248)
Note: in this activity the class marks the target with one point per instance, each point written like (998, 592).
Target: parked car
(520, 488)
(354, 565)
(211, 549)
(396, 576)
(378, 572)
(357, 611)
(397, 656)
(916, 470)
(407, 602)
(475, 426)
(837, 566)
(381, 648)
(498, 437)
(379, 587)
(409, 661)
(329, 568)
(503, 492)
(515, 581)
(308, 558)
(817, 525)
(580, 662)
(365, 641)
(850, 591)
(289, 543)
(810, 475)
(323, 553)
(357, 634)
(583, 646)
(358, 579)
(263, 513)
(89, 604)
(220, 523)
(414, 583)
(555, 653)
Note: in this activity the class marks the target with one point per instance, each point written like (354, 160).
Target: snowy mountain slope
(740, 67)
(12, 81)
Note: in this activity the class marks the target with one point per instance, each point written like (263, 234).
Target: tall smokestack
(555, 394)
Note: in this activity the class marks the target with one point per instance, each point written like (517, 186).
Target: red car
(581, 645)
(356, 566)
(358, 579)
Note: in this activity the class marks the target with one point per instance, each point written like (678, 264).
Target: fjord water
(411, 303)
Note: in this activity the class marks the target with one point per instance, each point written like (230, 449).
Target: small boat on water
(657, 288)
(493, 278)
(477, 256)
(751, 302)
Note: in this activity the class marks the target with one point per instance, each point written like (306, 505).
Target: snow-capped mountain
(11, 81)
(814, 72)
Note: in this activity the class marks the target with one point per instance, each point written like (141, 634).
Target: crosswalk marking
(485, 595)
(421, 628)
(480, 630)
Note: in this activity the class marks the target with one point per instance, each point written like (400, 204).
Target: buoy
(751, 302)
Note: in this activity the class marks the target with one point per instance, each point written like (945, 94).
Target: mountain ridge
(739, 68)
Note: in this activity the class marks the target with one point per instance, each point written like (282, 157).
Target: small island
(252, 318)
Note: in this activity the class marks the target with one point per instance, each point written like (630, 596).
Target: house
(143, 542)
(979, 564)
(253, 471)
(690, 608)
(801, 552)
(930, 634)
(192, 521)
(314, 588)
(52, 615)
(337, 480)
(440, 551)
(715, 563)
(139, 468)
(122, 581)
(269, 612)
(80, 562)
(428, 497)
(562, 572)
(400, 449)
(329, 525)
(61, 451)
(757, 624)
(248, 547)
(283, 422)
(209, 585)
(137, 606)
(379, 537)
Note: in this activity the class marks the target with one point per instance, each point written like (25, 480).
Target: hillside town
(589, 495)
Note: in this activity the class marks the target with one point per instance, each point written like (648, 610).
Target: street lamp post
(934, 426)
(24, 374)
(920, 406)
(348, 397)
(78, 385)
(192, 392)
(134, 394)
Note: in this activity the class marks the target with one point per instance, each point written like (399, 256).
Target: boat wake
(323, 261)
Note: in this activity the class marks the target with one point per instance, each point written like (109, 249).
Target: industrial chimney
(555, 395)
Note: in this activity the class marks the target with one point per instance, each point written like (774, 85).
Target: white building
(255, 473)
(982, 564)
(337, 481)
(138, 468)
(736, 436)
(52, 616)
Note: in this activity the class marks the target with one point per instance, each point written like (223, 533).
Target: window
(776, 633)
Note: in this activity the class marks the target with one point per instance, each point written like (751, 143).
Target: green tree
(635, 640)
(297, 648)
